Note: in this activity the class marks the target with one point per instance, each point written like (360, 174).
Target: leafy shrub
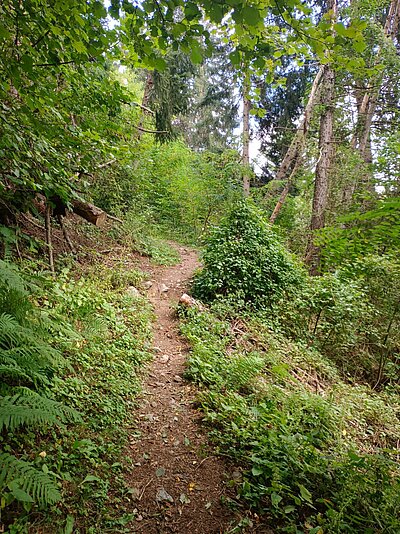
(351, 316)
(318, 454)
(244, 259)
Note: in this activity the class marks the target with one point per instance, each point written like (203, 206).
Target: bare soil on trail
(177, 481)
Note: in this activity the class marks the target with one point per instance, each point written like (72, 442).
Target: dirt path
(177, 481)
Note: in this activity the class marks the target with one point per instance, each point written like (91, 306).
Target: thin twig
(203, 460)
(150, 131)
(66, 235)
(106, 163)
(48, 238)
(144, 489)
(114, 218)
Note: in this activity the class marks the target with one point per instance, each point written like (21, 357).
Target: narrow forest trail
(177, 481)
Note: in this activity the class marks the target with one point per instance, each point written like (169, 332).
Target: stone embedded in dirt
(148, 284)
(177, 378)
(133, 292)
(164, 288)
(237, 475)
(157, 349)
(163, 496)
(190, 302)
(160, 472)
(134, 492)
(164, 358)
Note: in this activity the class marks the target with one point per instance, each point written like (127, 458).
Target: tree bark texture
(89, 212)
(246, 138)
(294, 153)
(323, 167)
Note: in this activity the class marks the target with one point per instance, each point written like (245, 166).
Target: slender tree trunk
(148, 87)
(325, 160)
(285, 191)
(246, 137)
(49, 243)
(323, 168)
(66, 234)
(294, 153)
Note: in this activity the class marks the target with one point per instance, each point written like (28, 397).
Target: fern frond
(19, 374)
(39, 486)
(10, 278)
(35, 356)
(32, 354)
(33, 409)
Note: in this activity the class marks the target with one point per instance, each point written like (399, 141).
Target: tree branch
(150, 131)
(54, 64)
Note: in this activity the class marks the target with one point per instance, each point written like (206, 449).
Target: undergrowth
(319, 455)
(72, 412)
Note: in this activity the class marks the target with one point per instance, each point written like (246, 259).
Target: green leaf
(289, 509)
(306, 495)
(216, 12)
(27, 63)
(18, 493)
(79, 46)
(91, 478)
(251, 15)
(192, 11)
(275, 499)
(256, 471)
(359, 46)
(235, 58)
(69, 525)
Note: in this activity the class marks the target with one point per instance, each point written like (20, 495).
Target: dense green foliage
(299, 375)
(318, 453)
(170, 187)
(244, 260)
(80, 384)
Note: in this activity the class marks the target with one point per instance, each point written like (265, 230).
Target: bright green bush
(352, 316)
(244, 259)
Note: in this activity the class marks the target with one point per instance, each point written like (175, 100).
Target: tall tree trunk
(294, 153)
(325, 160)
(366, 108)
(323, 168)
(246, 137)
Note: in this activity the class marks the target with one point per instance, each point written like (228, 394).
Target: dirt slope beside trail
(177, 481)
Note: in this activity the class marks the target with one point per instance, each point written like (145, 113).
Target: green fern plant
(26, 483)
(31, 409)
(27, 365)
(25, 358)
